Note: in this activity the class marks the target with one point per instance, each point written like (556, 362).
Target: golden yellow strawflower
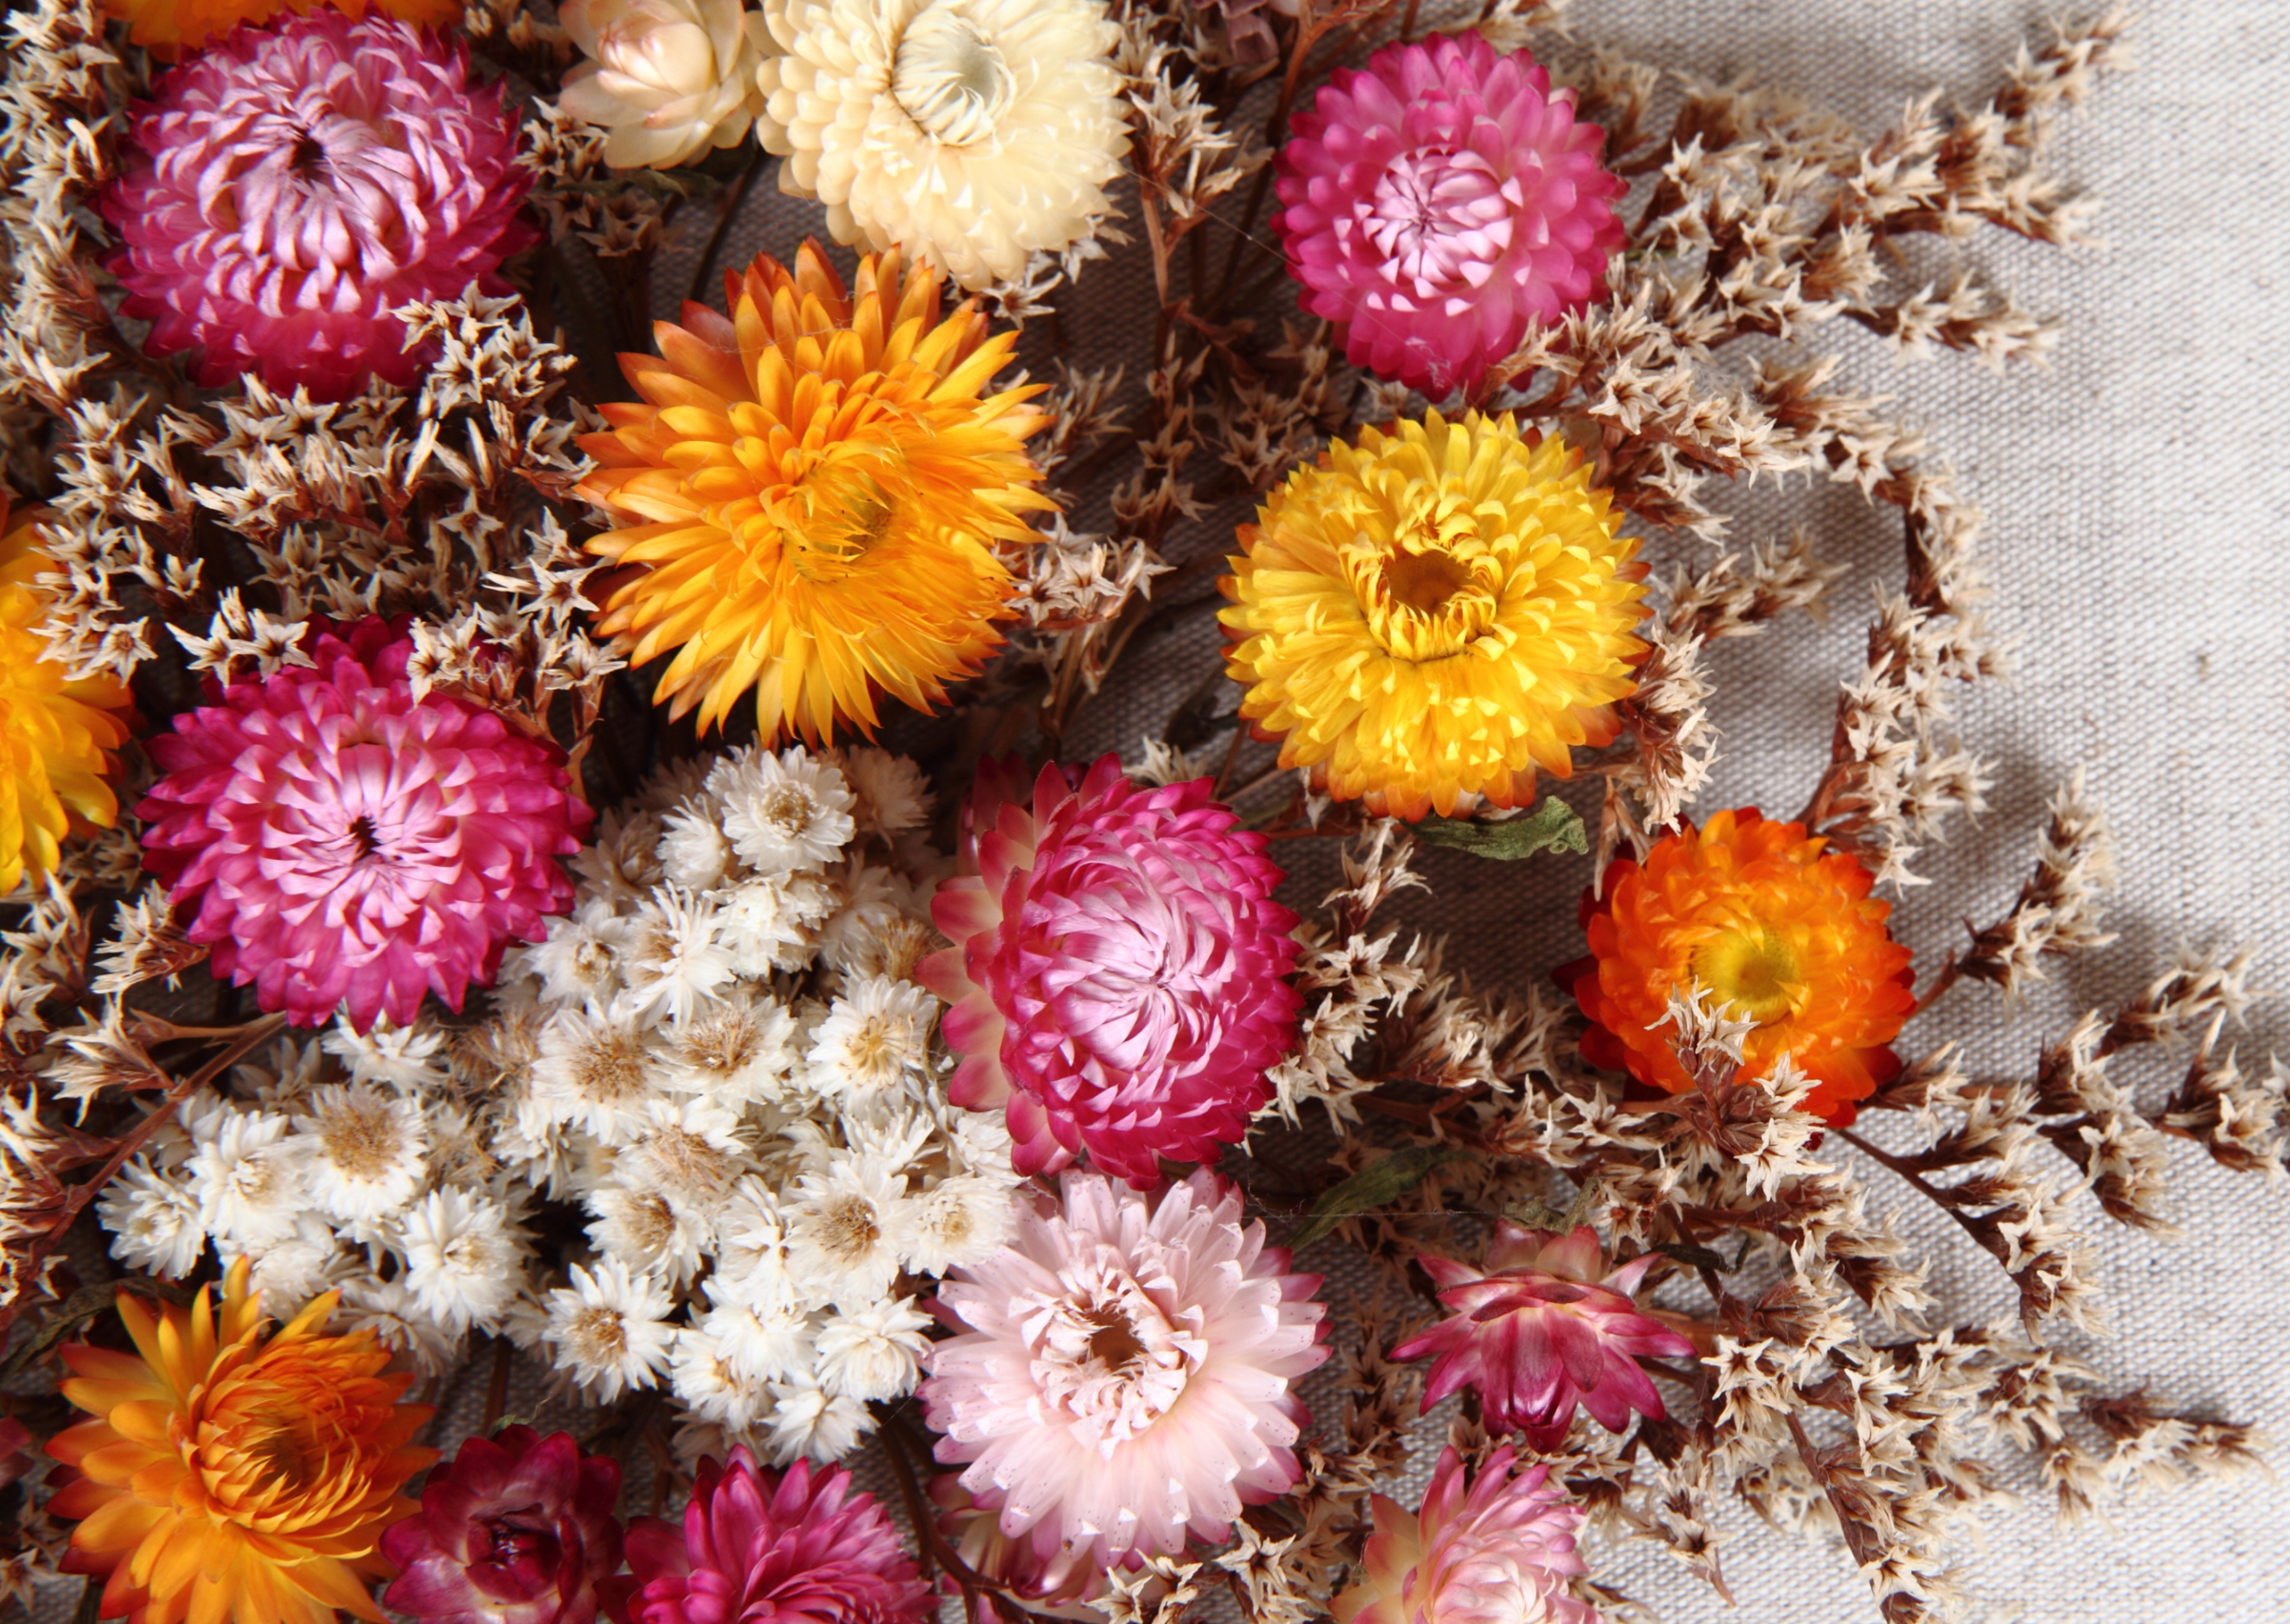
(230, 1476)
(55, 736)
(172, 27)
(817, 495)
(1432, 615)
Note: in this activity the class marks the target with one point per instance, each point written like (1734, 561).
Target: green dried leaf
(1551, 827)
(1371, 1188)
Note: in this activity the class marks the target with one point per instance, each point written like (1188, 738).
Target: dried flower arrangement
(682, 968)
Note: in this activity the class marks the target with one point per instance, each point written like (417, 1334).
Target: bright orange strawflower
(1780, 931)
(172, 27)
(231, 1475)
(818, 492)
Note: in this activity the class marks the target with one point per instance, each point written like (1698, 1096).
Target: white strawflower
(249, 1182)
(694, 851)
(277, 1082)
(593, 1072)
(644, 1230)
(402, 1056)
(807, 1419)
(736, 1052)
(751, 1250)
(691, 1151)
(971, 133)
(580, 963)
(958, 1221)
(771, 923)
(867, 901)
(288, 1270)
(890, 794)
(763, 1343)
(362, 1150)
(676, 964)
(670, 78)
(714, 1387)
(874, 1352)
(465, 1258)
(609, 1328)
(398, 1321)
(153, 1219)
(875, 1037)
(786, 813)
(847, 1230)
(623, 863)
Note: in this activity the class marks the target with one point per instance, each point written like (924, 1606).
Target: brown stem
(497, 1389)
(1950, 975)
(1923, 1186)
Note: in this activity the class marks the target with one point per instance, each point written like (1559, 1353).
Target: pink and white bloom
(1542, 1329)
(1497, 1552)
(1117, 973)
(1124, 1370)
(289, 188)
(343, 844)
(1440, 201)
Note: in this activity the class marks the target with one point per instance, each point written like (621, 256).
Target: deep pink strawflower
(1542, 1329)
(1440, 201)
(1116, 973)
(344, 844)
(516, 1529)
(758, 1550)
(288, 188)
(1497, 1552)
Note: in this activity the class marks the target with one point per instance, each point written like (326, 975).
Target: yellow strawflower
(816, 496)
(172, 27)
(1433, 615)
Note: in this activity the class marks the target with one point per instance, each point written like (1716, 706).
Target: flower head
(1124, 1370)
(1498, 1551)
(812, 498)
(800, 1549)
(171, 26)
(288, 188)
(1542, 1329)
(1442, 200)
(968, 132)
(670, 78)
(1434, 615)
(56, 733)
(1780, 931)
(231, 1474)
(515, 1529)
(344, 843)
(1116, 971)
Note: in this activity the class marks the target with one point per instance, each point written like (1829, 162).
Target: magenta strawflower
(288, 188)
(1116, 971)
(1541, 1329)
(1438, 202)
(344, 844)
(754, 1549)
(1125, 1370)
(1500, 1552)
(516, 1529)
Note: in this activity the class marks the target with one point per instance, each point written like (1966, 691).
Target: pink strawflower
(290, 186)
(517, 1529)
(799, 1549)
(1438, 202)
(1501, 1553)
(1116, 971)
(1542, 1329)
(343, 842)
(1124, 1370)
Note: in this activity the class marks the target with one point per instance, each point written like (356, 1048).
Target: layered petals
(1498, 1550)
(516, 1529)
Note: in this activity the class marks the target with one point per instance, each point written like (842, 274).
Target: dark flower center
(362, 831)
(307, 156)
(512, 1543)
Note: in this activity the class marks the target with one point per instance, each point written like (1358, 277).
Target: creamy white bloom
(786, 813)
(713, 1385)
(645, 1230)
(292, 1269)
(875, 1039)
(846, 1232)
(867, 903)
(580, 963)
(971, 133)
(676, 963)
(398, 1321)
(249, 1182)
(874, 1352)
(402, 1056)
(465, 1258)
(890, 796)
(690, 1150)
(624, 863)
(736, 1052)
(958, 1221)
(670, 78)
(278, 1081)
(154, 1220)
(362, 1151)
(608, 1330)
(751, 1257)
(771, 923)
(808, 1420)
(593, 1072)
(694, 851)
(765, 1342)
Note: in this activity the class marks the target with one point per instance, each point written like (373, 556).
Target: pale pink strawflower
(1116, 971)
(1124, 1370)
(344, 844)
(1498, 1551)
(800, 1549)
(1542, 1329)
(289, 188)
(1440, 201)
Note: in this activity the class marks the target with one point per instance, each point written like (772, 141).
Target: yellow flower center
(950, 79)
(1432, 590)
(1753, 970)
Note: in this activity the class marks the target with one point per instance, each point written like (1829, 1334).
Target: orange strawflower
(233, 1477)
(172, 27)
(817, 494)
(1777, 930)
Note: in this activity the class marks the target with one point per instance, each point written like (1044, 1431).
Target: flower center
(1440, 221)
(1108, 1357)
(509, 1543)
(1753, 970)
(950, 79)
(363, 836)
(1433, 589)
(851, 1230)
(362, 1141)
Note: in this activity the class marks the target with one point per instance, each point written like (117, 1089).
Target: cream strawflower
(362, 1150)
(970, 132)
(670, 78)
(465, 1258)
(153, 1220)
(608, 1331)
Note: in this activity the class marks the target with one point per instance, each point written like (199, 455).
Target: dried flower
(800, 1549)
(232, 1476)
(56, 733)
(1432, 615)
(1116, 971)
(172, 27)
(670, 78)
(1542, 1328)
(814, 496)
(290, 188)
(1498, 1551)
(1780, 932)
(347, 845)
(1125, 1368)
(972, 134)
(1439, 202)
(515, 1529)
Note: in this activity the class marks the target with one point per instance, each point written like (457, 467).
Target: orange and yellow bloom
(172, 27)
(230, 1476)
(1778, 929)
